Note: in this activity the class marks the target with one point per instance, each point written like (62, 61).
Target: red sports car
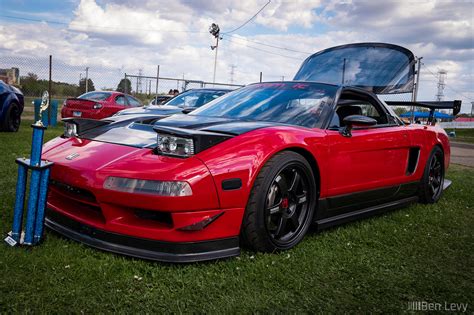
(255, 167)
(98, 105)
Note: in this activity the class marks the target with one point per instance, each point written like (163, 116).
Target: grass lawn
(419, 253)
(462, 135)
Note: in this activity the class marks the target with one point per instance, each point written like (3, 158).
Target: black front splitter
(139, 247)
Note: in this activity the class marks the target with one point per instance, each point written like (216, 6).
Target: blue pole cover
(31, 209)
(43, 194)
(19, 202)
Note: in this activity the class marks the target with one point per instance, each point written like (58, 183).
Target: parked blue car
(11, 106)
(181, 103)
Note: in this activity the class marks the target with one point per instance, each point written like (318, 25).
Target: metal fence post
(260, 76)
(125, 89)
(157, 80)
(49, 87)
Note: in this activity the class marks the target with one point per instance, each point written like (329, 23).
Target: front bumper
(181, 252)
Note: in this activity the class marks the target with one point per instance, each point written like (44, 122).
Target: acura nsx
(255, 167)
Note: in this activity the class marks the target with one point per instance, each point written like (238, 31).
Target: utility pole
(232, 69)
(472, 110)
(441, 84)
(215, 31)
(87, 79)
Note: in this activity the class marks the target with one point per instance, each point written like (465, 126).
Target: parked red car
(98, 105)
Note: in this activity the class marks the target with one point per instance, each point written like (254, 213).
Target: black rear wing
(454, 105)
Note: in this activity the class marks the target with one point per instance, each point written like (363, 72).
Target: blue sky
(120, 36)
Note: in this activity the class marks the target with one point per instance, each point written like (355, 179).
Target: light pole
(472, 110)
(215, 31)
(87, 79)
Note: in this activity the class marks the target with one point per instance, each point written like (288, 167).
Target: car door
(133, 102)
(373, 157)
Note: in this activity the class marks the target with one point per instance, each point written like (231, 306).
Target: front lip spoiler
(184, 252)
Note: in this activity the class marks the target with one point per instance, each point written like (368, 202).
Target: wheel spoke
(295, 182)
(301, 199)
(274, 209)
(282, 186)
(280, 230)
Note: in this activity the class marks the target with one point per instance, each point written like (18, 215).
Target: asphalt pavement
(462, 153)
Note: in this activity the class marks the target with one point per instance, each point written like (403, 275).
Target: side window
(349, 106)
(120, 100)
(133, 101)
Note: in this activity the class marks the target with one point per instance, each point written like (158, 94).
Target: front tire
(12, 118)
(281, 204)
(431, 186)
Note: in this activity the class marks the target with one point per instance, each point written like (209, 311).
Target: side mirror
(187, 110)
(355, 120)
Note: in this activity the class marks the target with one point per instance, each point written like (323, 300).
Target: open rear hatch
(378, 67)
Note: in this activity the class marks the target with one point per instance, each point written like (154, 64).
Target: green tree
(400, 110)
(82, 86)
(124, 86)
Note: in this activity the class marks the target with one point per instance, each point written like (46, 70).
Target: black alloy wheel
(12, 119)
(281, 205)
(286, 207)
(431, 187)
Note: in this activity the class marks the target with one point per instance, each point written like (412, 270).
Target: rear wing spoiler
(454, 105)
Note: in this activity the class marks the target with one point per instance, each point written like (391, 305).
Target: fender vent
(413, 157)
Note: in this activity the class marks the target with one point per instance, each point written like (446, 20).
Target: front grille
(79, 194)
(75, 201)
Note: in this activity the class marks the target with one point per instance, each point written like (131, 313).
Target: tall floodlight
(441, 84)
(215, 31)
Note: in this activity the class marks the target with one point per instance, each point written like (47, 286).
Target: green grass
(419, 253)
(463, 135)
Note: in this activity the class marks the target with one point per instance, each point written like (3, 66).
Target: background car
(182, 103)
(160, 99)
(11, 107)
(98, 104)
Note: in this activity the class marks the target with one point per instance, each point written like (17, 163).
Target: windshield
(295, 103)
(95, 96)
(194, 98)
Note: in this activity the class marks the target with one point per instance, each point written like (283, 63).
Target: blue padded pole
(43, 193)
(19, 202)
(36, 145)
(31, 210)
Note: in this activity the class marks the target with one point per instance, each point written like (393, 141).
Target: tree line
(31, 85)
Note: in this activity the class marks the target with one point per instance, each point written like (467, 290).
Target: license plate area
(77, 114)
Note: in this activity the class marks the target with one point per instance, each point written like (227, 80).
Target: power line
(96, 27)
(261, 9)
(262, 50)
(271, 45)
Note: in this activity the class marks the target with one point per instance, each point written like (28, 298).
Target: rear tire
(431, 186)
(281, 204)
(12, 119)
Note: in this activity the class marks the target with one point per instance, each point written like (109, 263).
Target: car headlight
(175, 146)
(151, 187)
(70, 130)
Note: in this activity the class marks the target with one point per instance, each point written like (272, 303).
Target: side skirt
(363, 213)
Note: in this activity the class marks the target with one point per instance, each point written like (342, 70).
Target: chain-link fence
(151, 86)
(32, 75)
